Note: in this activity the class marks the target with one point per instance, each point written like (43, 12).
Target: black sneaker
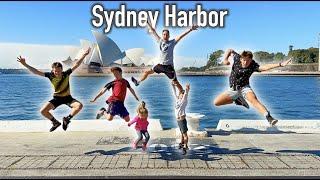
(66, 121)
(271, 120)
(184, 150)
(241, 102)
(134, 81)
(55, 125)
(180, 145)
(100, 113)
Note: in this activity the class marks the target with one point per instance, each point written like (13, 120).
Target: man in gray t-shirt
(166, 64)
(166, 48)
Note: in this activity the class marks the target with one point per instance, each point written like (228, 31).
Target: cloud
(180, 61)
(42, 56)
(38, 55)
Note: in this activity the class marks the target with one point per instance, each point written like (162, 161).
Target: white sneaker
(271, 120)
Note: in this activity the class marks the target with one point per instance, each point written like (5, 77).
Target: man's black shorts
(167, 70)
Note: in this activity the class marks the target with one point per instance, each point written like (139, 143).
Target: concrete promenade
(109, 154)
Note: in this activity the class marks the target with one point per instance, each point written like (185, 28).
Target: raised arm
(227, 54)
(272, 66)
(78, 63)
(185, 95)
(22, 61)
(153, 32)
(178, 38)
(103, 90)
(133, 93)
(174, 90)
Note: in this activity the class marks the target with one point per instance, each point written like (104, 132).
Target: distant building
(290, 48)
(105, 53)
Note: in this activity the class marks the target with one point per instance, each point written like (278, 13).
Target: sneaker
(66, 121)
(134, 81)
(271, 120)
(180, 145)
(241, 102)
(55, 125)
(184, 151)
(144, 146)
(100, 113)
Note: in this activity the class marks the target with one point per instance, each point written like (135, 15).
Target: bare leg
(45, 110)
(223, 99)
(251, 97)
(145, 75)
(76, 108)
(127, 118)
(109, 117)
(185, 139)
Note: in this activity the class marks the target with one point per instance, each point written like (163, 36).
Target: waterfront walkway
(108, 154)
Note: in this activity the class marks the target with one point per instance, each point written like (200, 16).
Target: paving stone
(7, 161)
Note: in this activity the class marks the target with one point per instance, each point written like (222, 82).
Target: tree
(263, 56)
(279, 56)
(214, 58)
(305, 55)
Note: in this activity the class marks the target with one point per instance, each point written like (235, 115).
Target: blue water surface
(22, 95)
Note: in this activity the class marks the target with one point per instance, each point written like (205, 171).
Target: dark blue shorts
(117, 108)
(183, 126)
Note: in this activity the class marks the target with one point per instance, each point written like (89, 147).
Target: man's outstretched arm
(153, 31)
(78, 63)
(272, 66)
(194, 27)
(22, 61)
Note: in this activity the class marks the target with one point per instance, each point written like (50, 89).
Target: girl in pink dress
(141, 126)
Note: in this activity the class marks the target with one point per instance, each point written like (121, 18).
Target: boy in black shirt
(242, 69)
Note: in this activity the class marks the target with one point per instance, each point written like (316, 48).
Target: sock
(54, 121)
(70, 116)
(267, 114)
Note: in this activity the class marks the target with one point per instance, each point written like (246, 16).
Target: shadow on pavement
(112, 152)
(314, 152)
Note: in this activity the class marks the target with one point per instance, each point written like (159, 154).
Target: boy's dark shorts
(117, 108)
(183, 126)
(57, 101)
(167, 70)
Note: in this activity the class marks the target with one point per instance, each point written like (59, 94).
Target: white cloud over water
(37, 55)
(42, 56)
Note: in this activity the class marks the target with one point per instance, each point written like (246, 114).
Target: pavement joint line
(14, 162)
(92, 161)
(222, 162)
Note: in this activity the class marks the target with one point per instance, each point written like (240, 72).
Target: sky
(267, 26)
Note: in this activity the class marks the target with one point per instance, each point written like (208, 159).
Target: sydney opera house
(105, 54)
